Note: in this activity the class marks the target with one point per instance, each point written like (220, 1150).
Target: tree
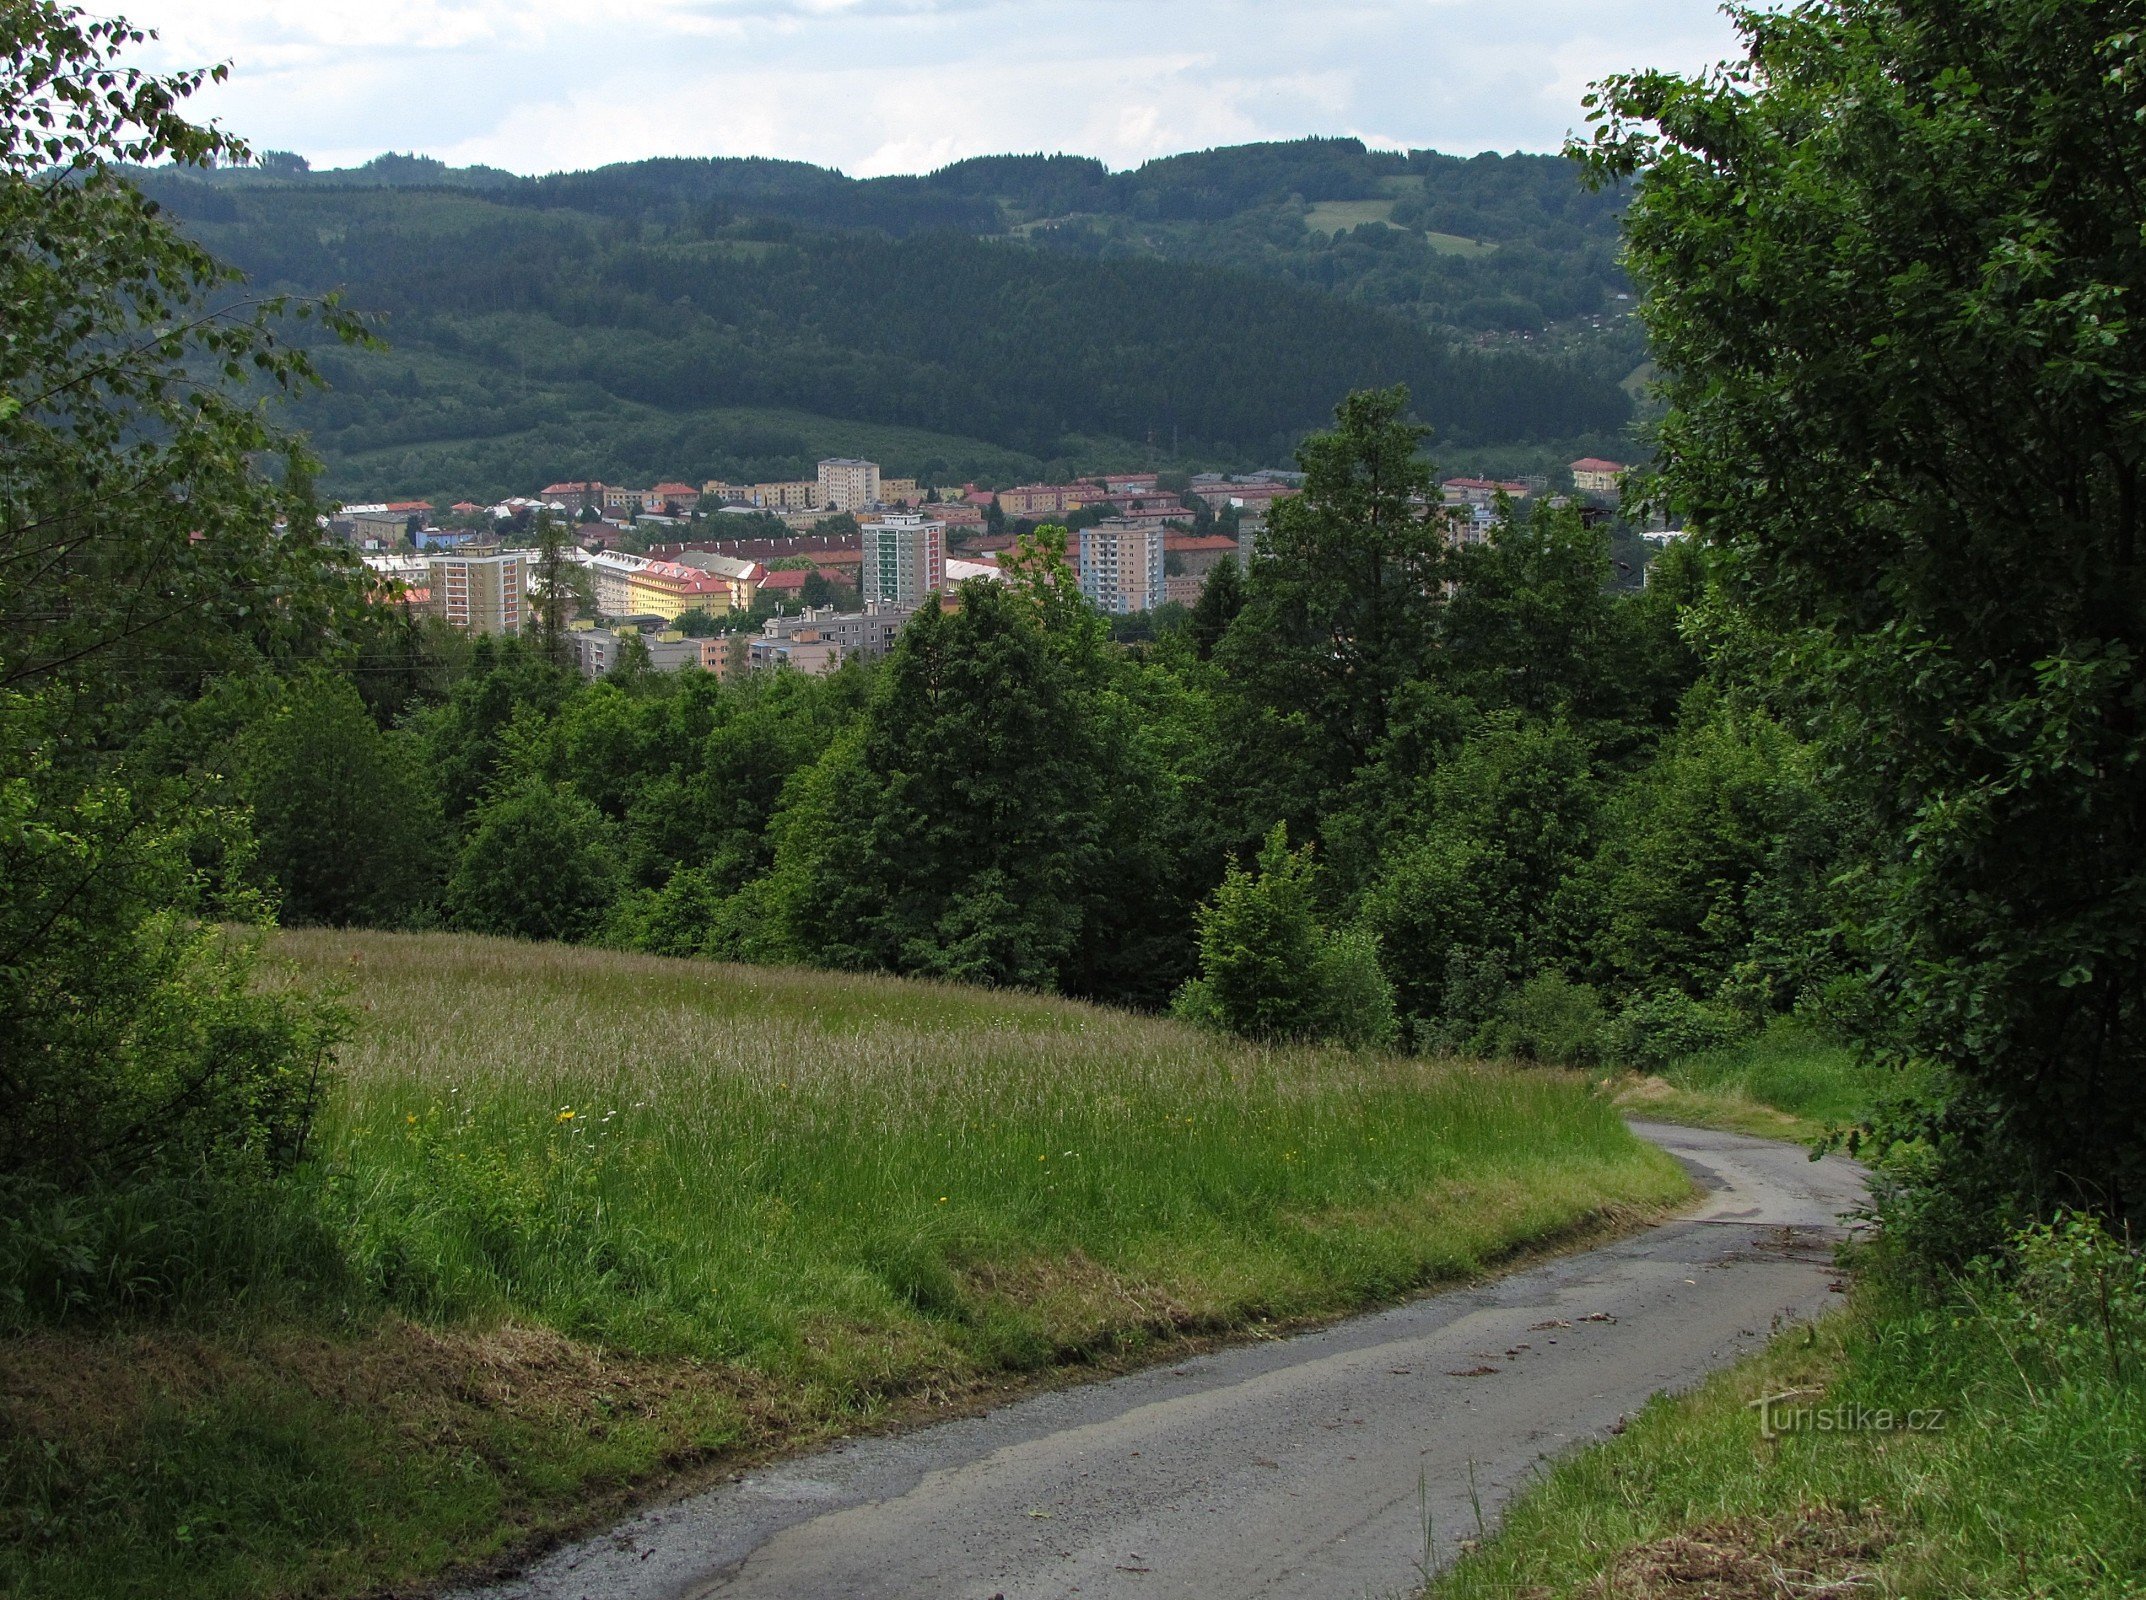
(540, 863)
(1221, 598)
(140, 552)
(342, 812)
(132, 513)
(1341, 604)
(957, 830)
(1890, 261)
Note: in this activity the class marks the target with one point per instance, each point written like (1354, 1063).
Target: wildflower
(412, 1117)
(566, 1113)
(942, 1199)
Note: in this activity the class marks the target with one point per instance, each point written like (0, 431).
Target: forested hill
(1487, 244)
(740, 318)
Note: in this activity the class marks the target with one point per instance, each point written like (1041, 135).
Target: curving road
(1306, 1466)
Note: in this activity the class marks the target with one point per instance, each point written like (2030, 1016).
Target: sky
(884, 86)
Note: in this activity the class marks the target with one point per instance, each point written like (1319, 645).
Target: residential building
(1032, 500)
(1123, 482)
(1121, 565)
(795, 495)
(483, 591)
(848, 484)
(741, 576)
(1593, 475)
(669, 589)
(598, 650)
(611, 581)
(820, 639)
(1482, 491)
(1251, 525)
(1257, 495)
(900, 492)
(1197, 554)
(574, 497)
(680, 498)
(904, 558)
(625, 504)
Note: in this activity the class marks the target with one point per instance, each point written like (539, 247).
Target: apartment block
(611, 581)
(481, 591)
(904, 558)
(1122, 565)
(743, 578)
(669, 589)
(1031, 500)
(796, 495)
(819, 639)
(848, 484)
(1593, 475)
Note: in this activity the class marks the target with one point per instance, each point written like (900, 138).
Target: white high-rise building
(1121, 565)
(904, 558)
(848, 484)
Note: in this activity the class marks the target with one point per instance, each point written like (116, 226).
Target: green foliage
(1484, 843)
(342, 814)
(1270, 970)
(1886, 264)
(540, 862)
(139, 554)
(958, 831)
(1721, 840)
(1549, 1018)
(132, 1040)
(1341, 604)
(1659, 1026)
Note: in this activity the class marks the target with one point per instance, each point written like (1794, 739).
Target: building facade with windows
(480, 591)
(904, 559)
(848, 484)
(1122, 565)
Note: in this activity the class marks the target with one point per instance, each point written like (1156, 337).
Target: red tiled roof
(1186, 542)
(674, 489)
(1596, 464)
(409, 505)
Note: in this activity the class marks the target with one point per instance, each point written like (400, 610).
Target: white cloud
(876, 86)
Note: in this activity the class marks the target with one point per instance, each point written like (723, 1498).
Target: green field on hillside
(589, 1221)
(1338, 216)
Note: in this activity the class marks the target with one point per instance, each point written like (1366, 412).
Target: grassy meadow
(586, 1221)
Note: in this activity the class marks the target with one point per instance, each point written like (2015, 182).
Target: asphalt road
(1338, 1463)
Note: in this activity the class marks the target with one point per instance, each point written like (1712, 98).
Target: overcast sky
(880, 86)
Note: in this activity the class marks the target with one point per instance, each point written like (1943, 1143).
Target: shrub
(1655, 1029)
(539, 864)
(1269, 970)
(1549, 1018)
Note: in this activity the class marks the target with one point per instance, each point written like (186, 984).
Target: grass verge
(1981, 1441)
(1784, 1083)
(594, 1220)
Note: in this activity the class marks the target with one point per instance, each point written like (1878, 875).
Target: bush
(134, 1039)
(1655, 1029)
(540, 864)
(1548, 1018)
(1269, 970)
